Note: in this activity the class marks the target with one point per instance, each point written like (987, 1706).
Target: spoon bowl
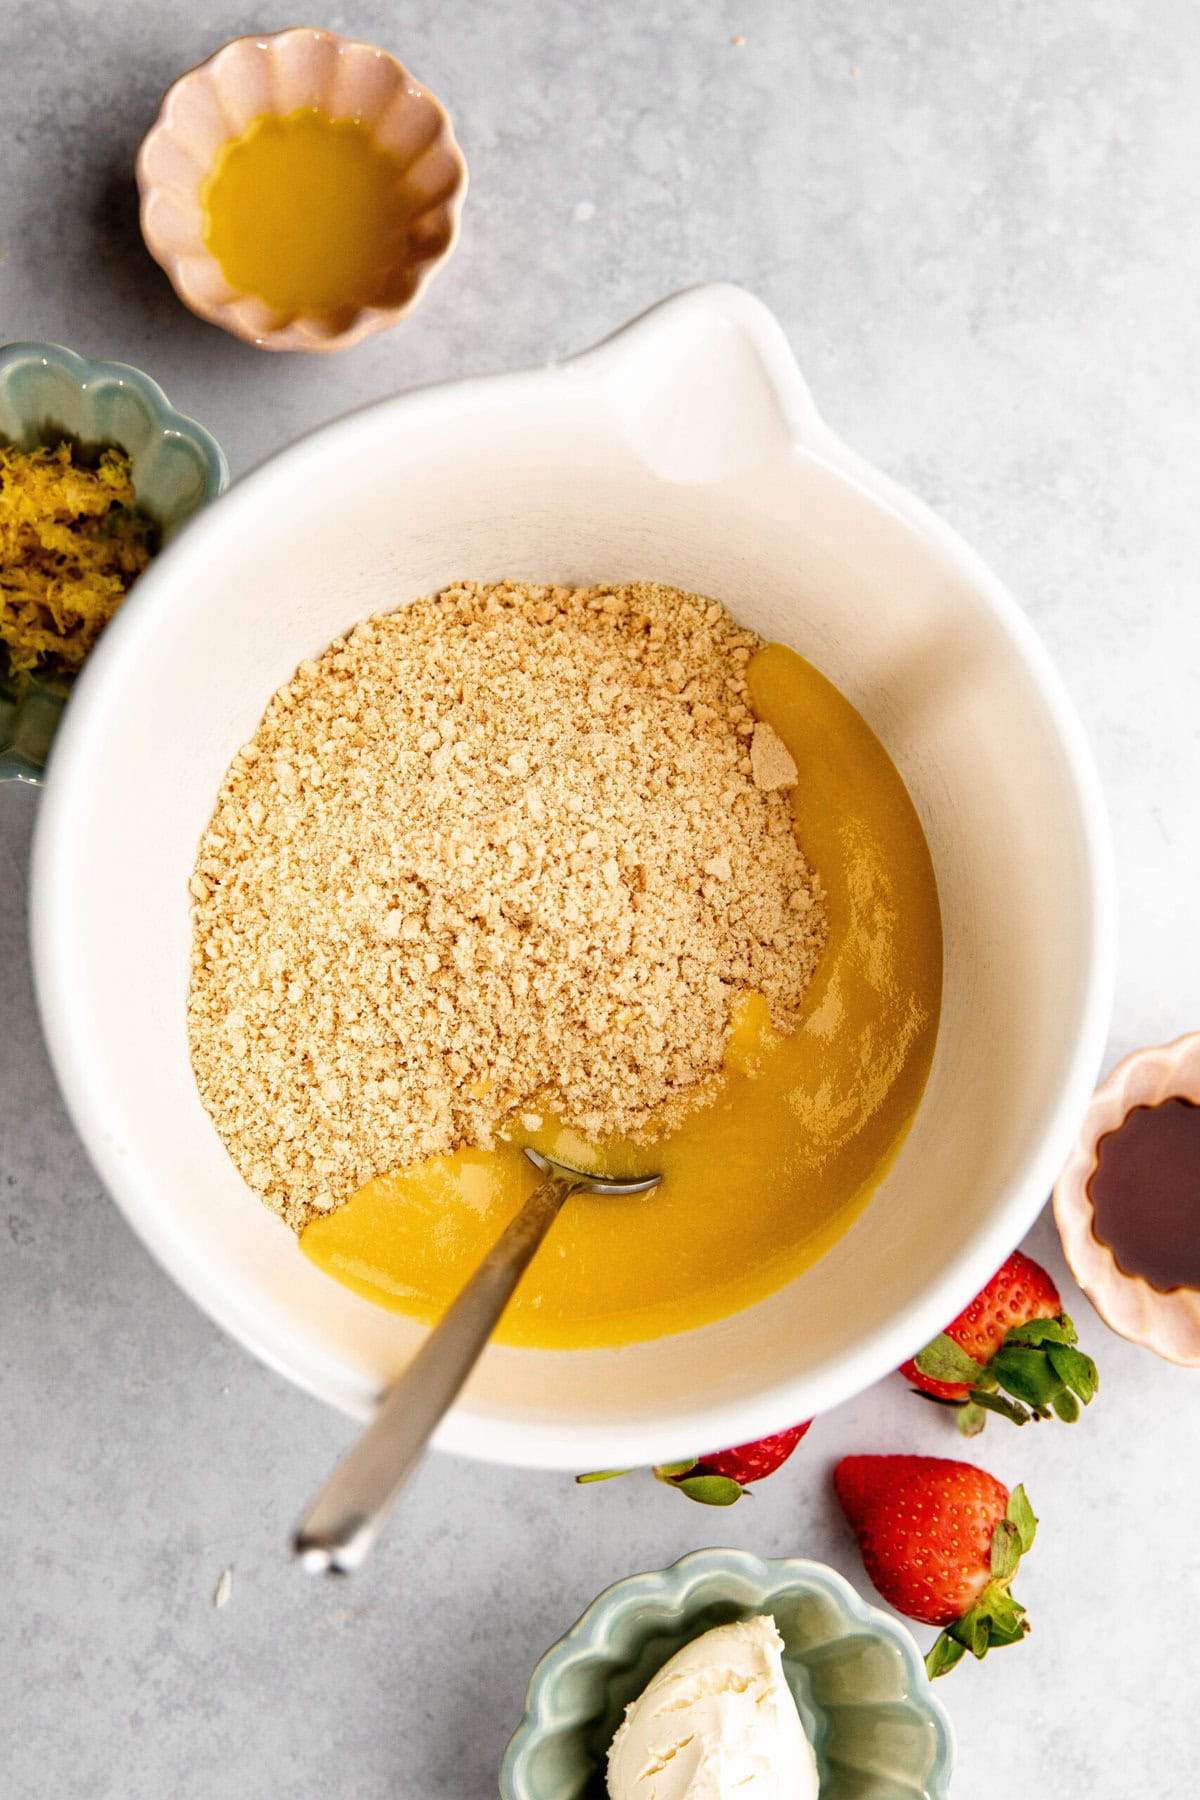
(585, 1183)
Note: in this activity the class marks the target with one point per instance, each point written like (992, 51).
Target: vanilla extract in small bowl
(1145, 1194)
(1127, 1203)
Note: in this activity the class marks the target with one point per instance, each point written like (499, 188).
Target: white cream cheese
(717, 1721)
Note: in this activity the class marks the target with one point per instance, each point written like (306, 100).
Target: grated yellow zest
(71, 547)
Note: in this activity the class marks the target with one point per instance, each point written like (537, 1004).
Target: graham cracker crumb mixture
(507, 853)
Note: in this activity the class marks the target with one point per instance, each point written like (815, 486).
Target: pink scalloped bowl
(216, 101)
(1167, 1323)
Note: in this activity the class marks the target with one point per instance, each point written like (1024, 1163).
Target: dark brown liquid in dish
(1145, 1194)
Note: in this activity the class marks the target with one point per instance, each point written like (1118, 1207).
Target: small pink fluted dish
(279, 74)
(1167, 1323)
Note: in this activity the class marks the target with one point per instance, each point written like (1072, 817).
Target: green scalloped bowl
(47, 393)
(856, 1675)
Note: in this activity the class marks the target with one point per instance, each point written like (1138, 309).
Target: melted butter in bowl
(310, 215)
(300, 189)
(763, 1180)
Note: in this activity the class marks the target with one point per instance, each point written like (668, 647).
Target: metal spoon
(347, 1516)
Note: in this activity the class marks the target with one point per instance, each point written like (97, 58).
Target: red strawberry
(1016, 1337)
(746, 1463)
(941, 1541)
(723, 1476)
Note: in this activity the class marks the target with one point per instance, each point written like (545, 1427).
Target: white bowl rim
(484, 1435)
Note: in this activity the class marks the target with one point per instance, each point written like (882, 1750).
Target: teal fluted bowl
(48, 393)
(855, 1673)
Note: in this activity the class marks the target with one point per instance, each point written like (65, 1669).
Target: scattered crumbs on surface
(508, 850)
(737, 42)
(346, 1615)
(585, 211)
(223, 1589)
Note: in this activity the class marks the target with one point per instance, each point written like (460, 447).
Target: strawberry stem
(942, 1657)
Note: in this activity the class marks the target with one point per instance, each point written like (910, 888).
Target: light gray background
(980, 225)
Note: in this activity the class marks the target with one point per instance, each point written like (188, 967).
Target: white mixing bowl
(685, 450)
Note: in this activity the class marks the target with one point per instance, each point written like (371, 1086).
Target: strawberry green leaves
(1021, 1514)
(942, 1657)
(996, 1619)
(1076, 1371)
(1038, 1372)
(1006, 1550)
(688, 1477)
(709, 1490)
(943, 1360)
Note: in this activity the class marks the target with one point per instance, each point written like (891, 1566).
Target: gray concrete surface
(981, 227)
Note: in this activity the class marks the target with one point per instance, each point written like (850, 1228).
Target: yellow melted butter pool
(764, 1180)
(308, 214)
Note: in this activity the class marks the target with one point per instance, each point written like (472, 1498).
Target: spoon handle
(348, 1514)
